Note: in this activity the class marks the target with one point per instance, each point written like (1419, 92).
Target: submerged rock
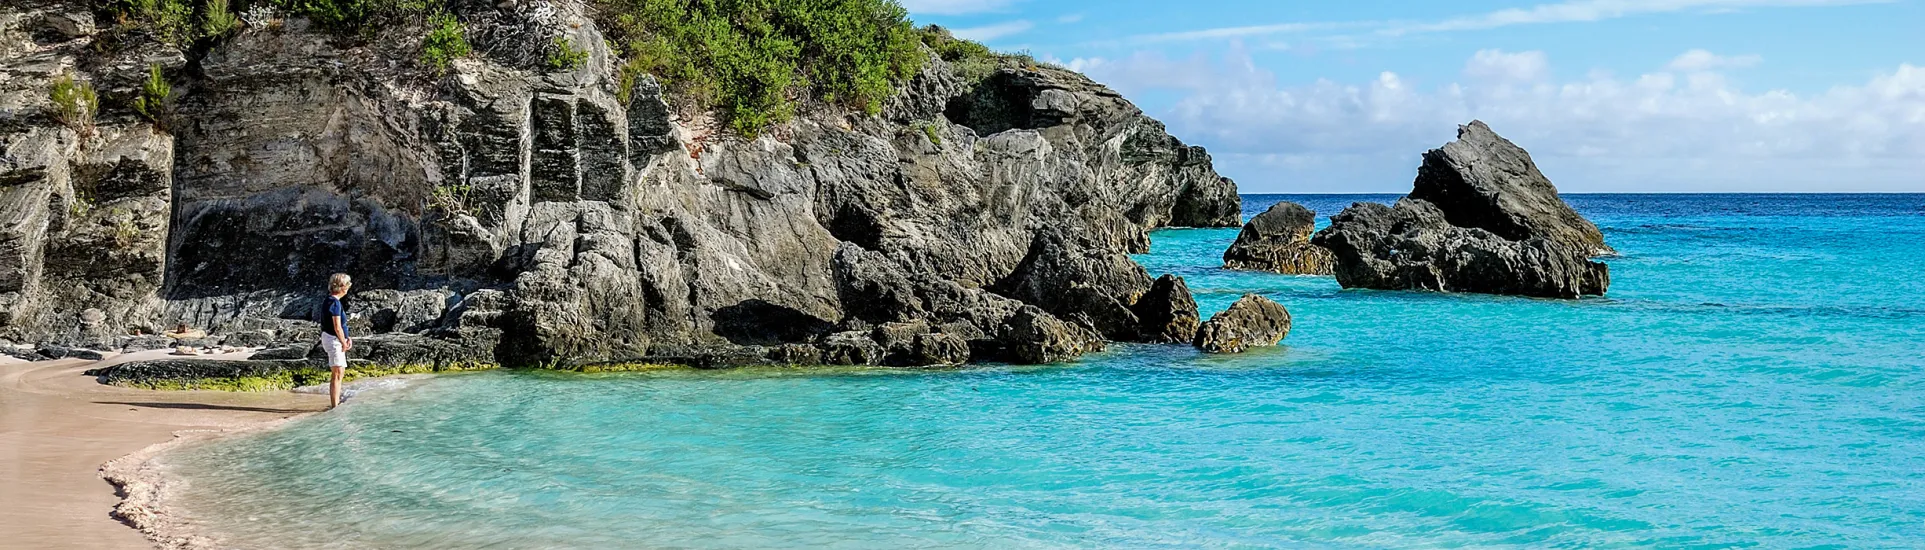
(1253, 321)
(1481, 218)
(1278, 240)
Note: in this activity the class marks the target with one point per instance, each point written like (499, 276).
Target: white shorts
(336, 356)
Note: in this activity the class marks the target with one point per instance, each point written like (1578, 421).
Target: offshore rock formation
(1253, 321)
(533, 216)
(1481, 218)
(1278, 240)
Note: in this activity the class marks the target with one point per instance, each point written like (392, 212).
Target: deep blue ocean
(1755, 378)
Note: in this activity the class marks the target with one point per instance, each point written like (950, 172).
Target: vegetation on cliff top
(752, 61)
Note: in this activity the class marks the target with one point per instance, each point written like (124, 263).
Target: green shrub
(75, 103)
(565, 56)
(152, 101)
(751, 59)
(450, 199)
(446, 41)
(217, 20)
(357, 16)
(933, 131)
(170, 21)
(970, 60)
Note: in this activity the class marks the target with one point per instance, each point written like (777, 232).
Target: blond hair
(339, 282)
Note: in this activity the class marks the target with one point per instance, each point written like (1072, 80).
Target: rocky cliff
(557, 216)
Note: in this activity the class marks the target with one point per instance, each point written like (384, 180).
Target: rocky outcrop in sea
(541, 216)
(1278, 241)
(1481, 218)
(1252, 321)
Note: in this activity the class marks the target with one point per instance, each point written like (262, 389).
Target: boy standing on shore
(334, 334)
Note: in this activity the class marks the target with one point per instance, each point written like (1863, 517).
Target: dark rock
(938, 349)
(382, 310)
(1075, 281)
(1484, 181)
(850, 348)
(1167, 313)
(61, 352)
(130, 344)
(418, 350)
(249, 339)
(285, 353)
(795, 354)
(1505, 231)
(1278, 240)
(1035, 337)
(196, 343)
(187, 372)
(1253, 321)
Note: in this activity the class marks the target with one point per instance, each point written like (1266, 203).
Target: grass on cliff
(74, 102)
(752, 60)
(175, 22)
(447, 40)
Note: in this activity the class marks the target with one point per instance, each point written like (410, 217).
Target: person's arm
(346, 344)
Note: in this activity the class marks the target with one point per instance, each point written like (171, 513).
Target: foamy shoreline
(146, 488)
(67, 433)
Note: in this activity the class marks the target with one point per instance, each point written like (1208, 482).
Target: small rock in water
(1253, 321)
(184, 350)
(1278, 241)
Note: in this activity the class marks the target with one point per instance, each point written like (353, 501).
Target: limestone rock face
(1253, 321)
(1278, 240)
(1481, 219)
(545, 217)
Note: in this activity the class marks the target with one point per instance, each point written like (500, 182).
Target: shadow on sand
(204, 407)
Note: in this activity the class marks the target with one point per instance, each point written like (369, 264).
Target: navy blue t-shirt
(331, 308)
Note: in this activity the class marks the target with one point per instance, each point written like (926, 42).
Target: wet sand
(58, 427)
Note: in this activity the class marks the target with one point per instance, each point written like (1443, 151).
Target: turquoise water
(1756, 378)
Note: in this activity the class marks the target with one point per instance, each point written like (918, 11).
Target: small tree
(565, 56)
(447, 40)
(152, 101)
(218, 20)
(75, 103)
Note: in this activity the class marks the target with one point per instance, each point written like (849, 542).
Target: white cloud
(1499, 66)
(1239, 32)
(991, 32)
(1655, 132)
(1565, 12)
(954, 7)
(1599, 10)
(1070, 18)
(1701, 60)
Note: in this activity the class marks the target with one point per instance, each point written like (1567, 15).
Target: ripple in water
(1790, 413)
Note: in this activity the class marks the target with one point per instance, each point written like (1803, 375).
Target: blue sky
(1608, 95)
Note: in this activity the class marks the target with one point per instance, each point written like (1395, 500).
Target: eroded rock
(1278, 241)
(1253, 321)
(1480, 219)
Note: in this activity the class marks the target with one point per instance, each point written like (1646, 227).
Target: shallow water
(1755, 378)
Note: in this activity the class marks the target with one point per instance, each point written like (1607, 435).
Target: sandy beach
(58, 427)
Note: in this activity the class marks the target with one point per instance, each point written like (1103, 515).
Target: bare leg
(334, 389)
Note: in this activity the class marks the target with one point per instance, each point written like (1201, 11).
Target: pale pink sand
(59, 429)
